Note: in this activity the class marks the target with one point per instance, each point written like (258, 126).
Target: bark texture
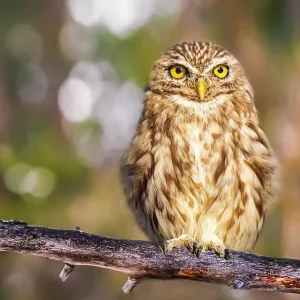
(140, 259)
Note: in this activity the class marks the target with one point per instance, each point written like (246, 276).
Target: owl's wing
(133, 182)
(135, 187)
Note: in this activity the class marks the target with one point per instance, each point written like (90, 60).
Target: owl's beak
(201, 88)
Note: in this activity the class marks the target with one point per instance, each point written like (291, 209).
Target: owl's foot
(184, 241)
(221, 250)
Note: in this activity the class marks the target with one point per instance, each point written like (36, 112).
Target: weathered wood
(140, 259)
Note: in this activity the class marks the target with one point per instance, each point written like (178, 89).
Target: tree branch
(140, 259)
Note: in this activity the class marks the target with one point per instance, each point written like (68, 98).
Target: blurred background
(72, 75)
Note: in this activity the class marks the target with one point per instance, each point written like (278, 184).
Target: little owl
(200, 172)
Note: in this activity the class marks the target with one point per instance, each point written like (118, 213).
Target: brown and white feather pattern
(202, 169)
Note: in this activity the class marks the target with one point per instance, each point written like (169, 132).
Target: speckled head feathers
(197, 53)
(199, 59)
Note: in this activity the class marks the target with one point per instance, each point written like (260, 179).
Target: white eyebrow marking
(214, 62)
(187, 65)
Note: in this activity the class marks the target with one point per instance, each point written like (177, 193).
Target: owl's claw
(162, 249)
(227, 254)
(215, 248)
(219, 250)
(200, 249)
(180, 242)
(224, 253)
(194, 247)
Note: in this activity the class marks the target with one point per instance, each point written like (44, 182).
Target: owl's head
(198, 71)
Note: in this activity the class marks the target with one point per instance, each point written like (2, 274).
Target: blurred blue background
(72, 75)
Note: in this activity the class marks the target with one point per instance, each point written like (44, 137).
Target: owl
(200, 172)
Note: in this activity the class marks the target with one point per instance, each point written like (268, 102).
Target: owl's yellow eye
(178, 71)
(221, 71)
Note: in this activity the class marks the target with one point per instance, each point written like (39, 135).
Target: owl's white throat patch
(199, 106)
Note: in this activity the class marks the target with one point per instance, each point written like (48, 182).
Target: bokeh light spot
(75, 100)
(23, 179)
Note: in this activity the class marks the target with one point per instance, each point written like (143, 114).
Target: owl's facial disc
(198, 72)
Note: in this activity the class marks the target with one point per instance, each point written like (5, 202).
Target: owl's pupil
(220, 70)
(178, 70)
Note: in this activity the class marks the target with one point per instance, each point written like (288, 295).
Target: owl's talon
(201, 248)
(194, 247)
(180, 242)
(189, 248)
(166, 247)
(220, 250)
(226, 254)
(162, 250)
